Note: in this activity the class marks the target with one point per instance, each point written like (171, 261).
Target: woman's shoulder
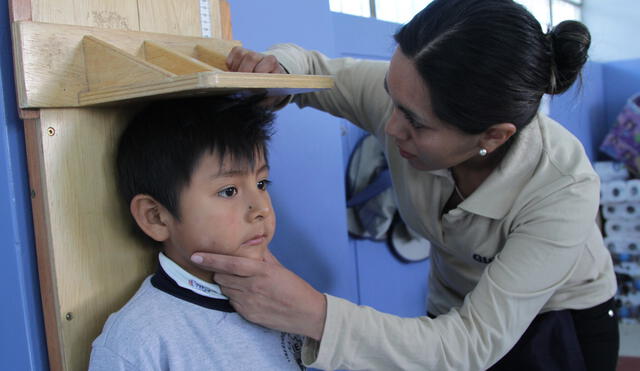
(563, 150)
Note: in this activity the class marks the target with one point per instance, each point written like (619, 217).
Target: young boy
(194, 173)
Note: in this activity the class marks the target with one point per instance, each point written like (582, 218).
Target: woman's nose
(394, 128)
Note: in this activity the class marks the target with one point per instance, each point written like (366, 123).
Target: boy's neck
(189, 267)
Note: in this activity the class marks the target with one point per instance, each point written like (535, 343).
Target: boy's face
(223, 210)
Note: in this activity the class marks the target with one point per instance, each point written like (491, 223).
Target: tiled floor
(630, 339)
(628, 364)
(629, 347)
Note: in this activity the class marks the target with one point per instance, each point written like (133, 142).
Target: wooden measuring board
(71, 66)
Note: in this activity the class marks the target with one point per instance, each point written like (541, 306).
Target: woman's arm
(358, 95)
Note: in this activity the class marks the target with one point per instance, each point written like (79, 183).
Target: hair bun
(570, 41)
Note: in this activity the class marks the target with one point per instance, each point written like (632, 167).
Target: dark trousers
(567, 340)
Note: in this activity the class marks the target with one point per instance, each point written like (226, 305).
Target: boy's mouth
(256, 240)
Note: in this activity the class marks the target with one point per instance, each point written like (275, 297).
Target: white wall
(614, 26)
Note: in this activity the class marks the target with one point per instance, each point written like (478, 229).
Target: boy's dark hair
(163, 143)
(488, 61)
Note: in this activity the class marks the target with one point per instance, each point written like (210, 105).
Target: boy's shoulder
(156, 330)
(146, 318)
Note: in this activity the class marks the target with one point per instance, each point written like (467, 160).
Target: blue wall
(621, 81)
(582, 109)
(590, 109)
(22, 345)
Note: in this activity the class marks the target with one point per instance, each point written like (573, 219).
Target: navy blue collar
(163, 282)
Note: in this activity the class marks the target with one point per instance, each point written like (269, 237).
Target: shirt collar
(496, 195)
(189, 281)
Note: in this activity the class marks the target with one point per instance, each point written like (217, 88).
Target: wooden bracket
(71, 66)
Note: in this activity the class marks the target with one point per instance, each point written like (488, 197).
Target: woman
(520, 278)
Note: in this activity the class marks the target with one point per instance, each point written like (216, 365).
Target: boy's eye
(264, 184)
(228, 192)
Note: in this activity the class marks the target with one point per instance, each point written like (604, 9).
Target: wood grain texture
(109, 14)
(69, 66)
(173, 61)
(208, 83)
(41, 226)
(177, 17)
(19, 10)
(97, 262)
(215, 58)
(50, 65)
(225, 20)
(92, 253)
(108, 66)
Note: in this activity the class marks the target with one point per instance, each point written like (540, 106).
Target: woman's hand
(245, 60)
(266, 293)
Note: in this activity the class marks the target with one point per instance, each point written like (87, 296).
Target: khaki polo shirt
(523, 243)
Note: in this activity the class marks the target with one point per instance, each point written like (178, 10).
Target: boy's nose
(259, 208)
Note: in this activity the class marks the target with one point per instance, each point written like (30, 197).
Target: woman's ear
(151, 217)
(496, 136)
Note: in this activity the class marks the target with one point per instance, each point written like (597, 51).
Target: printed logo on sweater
(292, 348)
(482, 259)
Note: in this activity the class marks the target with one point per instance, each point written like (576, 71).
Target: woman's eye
(228, 192)
(264, 184)
(412, 121)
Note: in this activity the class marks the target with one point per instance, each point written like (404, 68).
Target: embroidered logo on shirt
(482, 259)
(292, 348)
(200, 287)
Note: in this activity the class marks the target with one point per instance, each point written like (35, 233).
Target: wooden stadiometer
(82, 68)
(94, 66)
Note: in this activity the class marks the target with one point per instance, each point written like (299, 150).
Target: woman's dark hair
(488, 61)
(163, 143)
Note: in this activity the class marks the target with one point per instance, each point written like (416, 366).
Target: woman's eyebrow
(402, 108)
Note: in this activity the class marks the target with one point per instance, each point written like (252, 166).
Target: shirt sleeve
(539, 256)
(358, 95)
(104, 359)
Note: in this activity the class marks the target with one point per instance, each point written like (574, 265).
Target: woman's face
(422, 139)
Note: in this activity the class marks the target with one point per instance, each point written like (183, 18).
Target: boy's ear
(150, 216)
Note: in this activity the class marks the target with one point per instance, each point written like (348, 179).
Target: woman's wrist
(319, 317)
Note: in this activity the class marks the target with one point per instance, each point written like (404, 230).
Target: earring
(482, 152)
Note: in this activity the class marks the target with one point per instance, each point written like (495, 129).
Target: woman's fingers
(267, 293)
(233, 265)
(268, 64)
(235, 58)
(245, 60)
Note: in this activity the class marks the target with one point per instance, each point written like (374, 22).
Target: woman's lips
(405, 154)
